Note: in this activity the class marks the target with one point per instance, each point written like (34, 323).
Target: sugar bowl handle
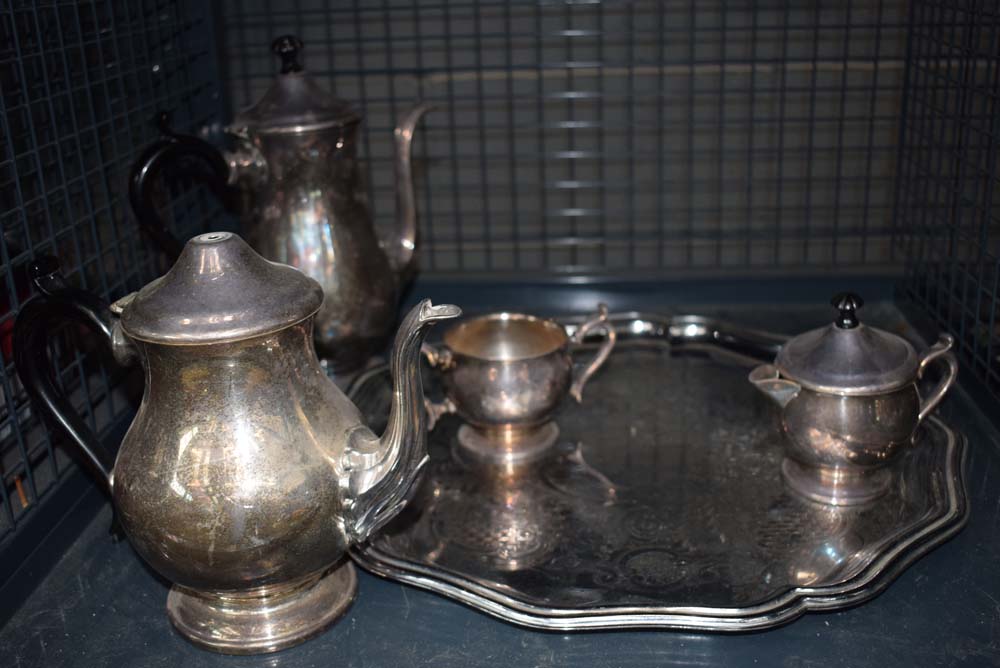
(599, 321)
(939, 351)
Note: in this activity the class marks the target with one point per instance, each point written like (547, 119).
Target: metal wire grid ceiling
(80, 83)
(620, 137)
(949, 207)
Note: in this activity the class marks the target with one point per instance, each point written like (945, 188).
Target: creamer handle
(599, 321)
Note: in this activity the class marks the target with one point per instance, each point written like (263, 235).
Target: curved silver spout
(403, 255)
(382, 470)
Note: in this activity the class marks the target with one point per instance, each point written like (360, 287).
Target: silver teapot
(246, 473)
(849, 403)
(300, 192)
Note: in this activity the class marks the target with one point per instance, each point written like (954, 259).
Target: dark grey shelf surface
(100, 605)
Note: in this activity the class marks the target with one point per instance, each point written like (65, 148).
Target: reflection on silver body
(505, 374)
(849, 405)
(662, 505)
(308, 210)
(247, 473)
(298, 172)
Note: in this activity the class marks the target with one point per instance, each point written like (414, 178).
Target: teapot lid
(294, 102)
(848, 357)
(219, 290)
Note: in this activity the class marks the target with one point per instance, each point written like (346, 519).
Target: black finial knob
(164, 123)
(45, 273)
(847, 303)
(287, 47)
(42, 266)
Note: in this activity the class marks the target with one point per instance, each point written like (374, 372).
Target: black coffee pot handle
(169, 150)
(57, 304)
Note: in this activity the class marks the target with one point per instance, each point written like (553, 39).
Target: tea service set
(247, 474)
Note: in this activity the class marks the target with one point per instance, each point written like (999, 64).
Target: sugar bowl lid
(847, 357)
(294, 102)
(219, 290)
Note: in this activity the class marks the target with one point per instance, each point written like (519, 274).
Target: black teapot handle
(38, 317)
(150, 165)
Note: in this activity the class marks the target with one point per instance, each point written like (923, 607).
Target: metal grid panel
(616, 137)
(948, 215)
(80, 83)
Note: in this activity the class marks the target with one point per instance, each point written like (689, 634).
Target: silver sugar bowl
(849, 404)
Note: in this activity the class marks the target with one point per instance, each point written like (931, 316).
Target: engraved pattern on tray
(661, 505)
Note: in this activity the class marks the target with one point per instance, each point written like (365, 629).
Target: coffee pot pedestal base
(265, 620)
(835, 486)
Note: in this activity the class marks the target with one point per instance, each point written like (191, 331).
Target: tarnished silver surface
(246, 472)
(222, 292)
(506, 373)
(860, 361)
(294, 102)
(282, 615)
(306, 213)
(309, 212)
(296, 166)
(662, 505)
(843, 419)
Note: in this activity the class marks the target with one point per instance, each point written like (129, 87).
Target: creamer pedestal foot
(511, 446)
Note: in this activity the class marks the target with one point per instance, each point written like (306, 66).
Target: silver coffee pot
(246, 473)
(303, 203)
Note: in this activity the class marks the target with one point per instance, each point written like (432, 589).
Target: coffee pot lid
(848, 357)
(219, 290)
(294, 102)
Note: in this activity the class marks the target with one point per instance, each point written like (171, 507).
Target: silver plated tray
(662, 505)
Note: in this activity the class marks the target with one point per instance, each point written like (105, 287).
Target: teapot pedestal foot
(506, 446)
(835, 486)
(262, 620)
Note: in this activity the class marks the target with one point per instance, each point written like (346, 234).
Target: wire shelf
(81, 83)
(616, 137)
(948, 214)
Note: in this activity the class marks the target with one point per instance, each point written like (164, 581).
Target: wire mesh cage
(81, 82)
(948, 213)
(617, 137)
